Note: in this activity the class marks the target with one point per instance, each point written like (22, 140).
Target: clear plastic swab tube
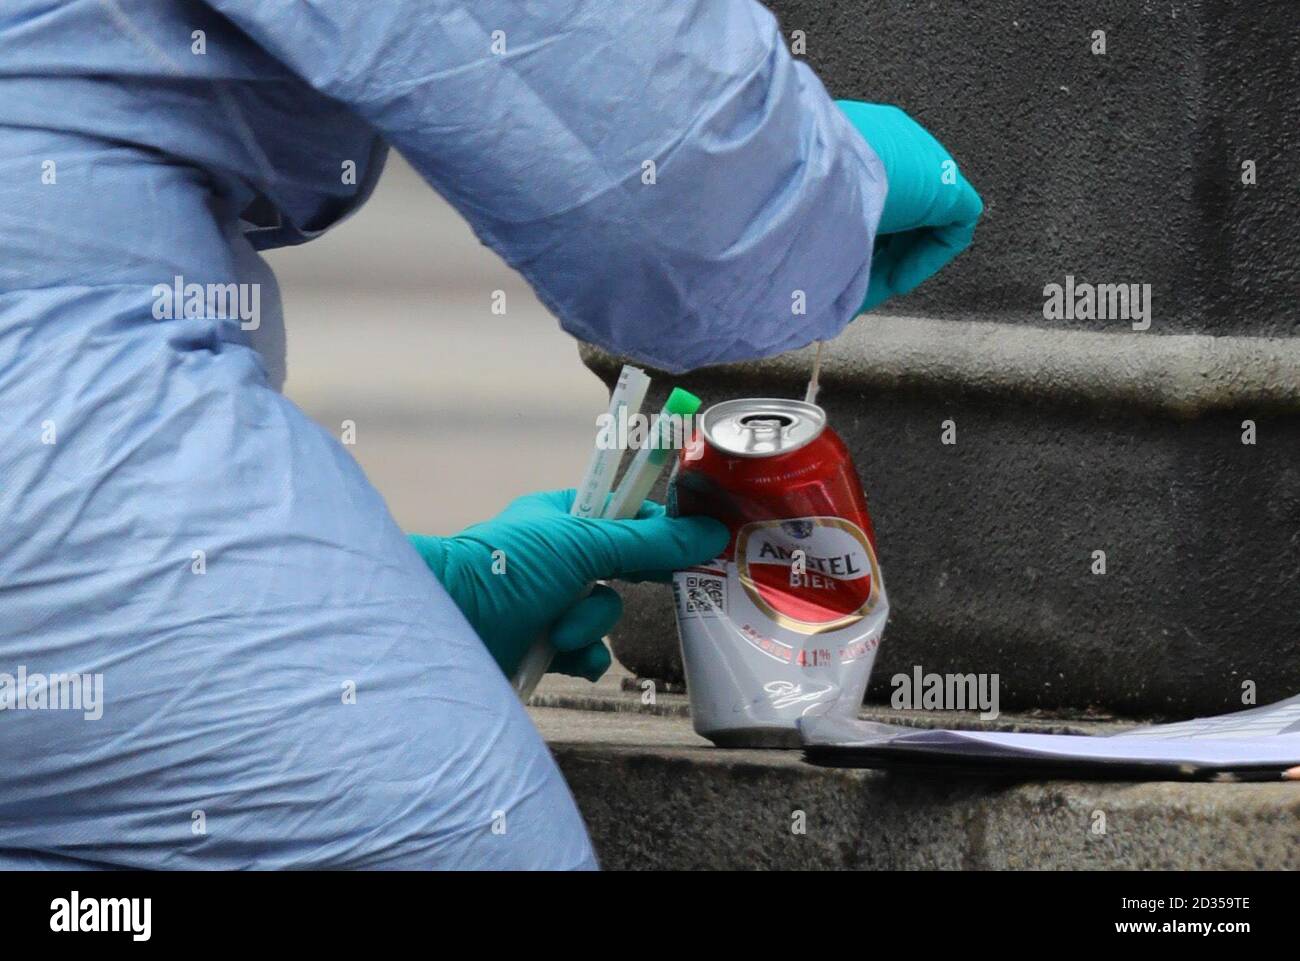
(651, 459)
(626, 502)
(589, 501)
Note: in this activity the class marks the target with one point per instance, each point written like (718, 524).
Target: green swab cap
(682, 403)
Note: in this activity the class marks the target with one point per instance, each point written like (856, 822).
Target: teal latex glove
(930, 210)
(525, 571)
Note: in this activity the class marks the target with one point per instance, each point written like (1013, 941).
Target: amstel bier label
(808, 574)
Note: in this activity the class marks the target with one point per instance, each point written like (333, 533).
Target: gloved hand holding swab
(626, 501)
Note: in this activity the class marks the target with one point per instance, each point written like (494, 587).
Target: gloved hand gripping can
(787, 621)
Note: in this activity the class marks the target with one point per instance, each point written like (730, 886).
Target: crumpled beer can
(786, 623)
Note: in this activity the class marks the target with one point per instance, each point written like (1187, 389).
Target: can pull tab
(765, 433)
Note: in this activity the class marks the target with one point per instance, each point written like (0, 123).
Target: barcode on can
(705, 596)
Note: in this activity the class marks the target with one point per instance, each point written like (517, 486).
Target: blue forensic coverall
(283, 682)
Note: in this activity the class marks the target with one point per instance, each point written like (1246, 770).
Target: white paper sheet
(1266, 736)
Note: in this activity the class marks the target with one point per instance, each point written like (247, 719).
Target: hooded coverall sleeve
(673, 185)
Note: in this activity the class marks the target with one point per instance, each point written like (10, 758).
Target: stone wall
(1075, 435)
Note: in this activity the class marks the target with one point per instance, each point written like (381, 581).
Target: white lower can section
(790, 631)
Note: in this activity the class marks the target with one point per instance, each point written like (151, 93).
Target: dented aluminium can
(786, 623)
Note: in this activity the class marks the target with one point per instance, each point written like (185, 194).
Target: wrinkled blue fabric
(284, 684)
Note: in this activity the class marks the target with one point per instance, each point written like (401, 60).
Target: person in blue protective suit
(283, 678)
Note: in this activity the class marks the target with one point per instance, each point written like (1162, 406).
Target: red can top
(768, 459)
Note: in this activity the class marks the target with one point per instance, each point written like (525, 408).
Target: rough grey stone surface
(620, 692)
(645, 639)
(1180, 376)
(1124, 443)
(1075, 435)
(656, 796)
(1123, 167)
